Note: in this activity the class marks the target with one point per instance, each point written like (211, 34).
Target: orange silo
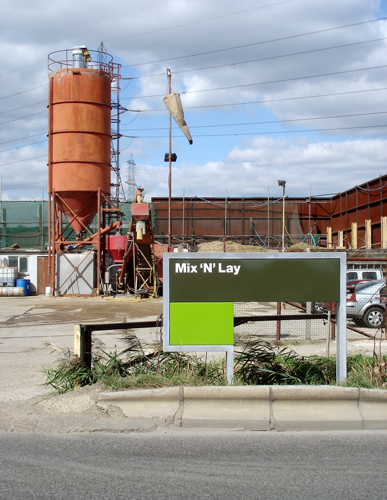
(79, 133)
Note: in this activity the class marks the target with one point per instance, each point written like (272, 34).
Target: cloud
(249, 171)
(309, 92)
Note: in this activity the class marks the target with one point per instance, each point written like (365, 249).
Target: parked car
(364, 273)
(354, 277)
(366, 302)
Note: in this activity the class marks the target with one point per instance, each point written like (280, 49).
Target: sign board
(200, 289)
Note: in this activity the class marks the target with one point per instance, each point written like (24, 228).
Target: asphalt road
(194, 465)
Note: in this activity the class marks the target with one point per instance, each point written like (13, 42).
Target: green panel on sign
(202, 323)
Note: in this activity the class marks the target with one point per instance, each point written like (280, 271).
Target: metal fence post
(278, 321)
(82, 343)
(333, 323)
(308, 323)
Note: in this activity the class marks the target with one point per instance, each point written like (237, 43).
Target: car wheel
(374, 317)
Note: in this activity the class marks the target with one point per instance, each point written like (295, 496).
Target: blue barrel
(25, 284)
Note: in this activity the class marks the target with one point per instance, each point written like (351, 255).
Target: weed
(257, 362)
(137, 366)
(261, 363)
(70, 374)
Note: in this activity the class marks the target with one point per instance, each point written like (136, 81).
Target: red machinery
(139, 261)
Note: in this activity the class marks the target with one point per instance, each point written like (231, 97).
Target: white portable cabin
(29, 264)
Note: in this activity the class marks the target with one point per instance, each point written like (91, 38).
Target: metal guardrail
(83, 333)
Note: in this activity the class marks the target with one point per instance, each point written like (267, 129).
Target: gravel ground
(27, 325)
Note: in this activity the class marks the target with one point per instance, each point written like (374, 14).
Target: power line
(267, 122)
(22, 138)
(263, 101)
(24, 91)
(234, 48)
(259, 43)
(224, 49)
(261, 59)
(25, 159)
(165, 29)
(231, 104)
(24, 146)
(23, 67)
(275, 132)
(22, 117)
(198, 22)
(264, 83)
(22, 107)
(272, 121)
(237, 134)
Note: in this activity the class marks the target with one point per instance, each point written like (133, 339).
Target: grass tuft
(256, 362)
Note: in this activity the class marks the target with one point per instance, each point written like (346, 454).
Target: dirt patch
(26, 325)
(303, 247)
(231, 246)
(76, 411)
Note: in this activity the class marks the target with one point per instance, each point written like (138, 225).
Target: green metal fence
(25, 223)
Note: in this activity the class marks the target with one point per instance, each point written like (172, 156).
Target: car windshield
(362, 286)
(369, 275)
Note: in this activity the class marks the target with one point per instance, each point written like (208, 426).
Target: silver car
(365, 303)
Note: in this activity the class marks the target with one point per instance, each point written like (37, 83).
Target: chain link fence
(289, 321)
(313, 321)
(281, 321)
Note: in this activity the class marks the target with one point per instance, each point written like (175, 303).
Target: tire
(374, 317)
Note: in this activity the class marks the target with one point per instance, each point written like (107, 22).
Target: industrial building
(354, 219)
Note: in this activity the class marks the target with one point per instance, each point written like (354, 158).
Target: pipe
(129, 245)
(125, 259)
(86, 241)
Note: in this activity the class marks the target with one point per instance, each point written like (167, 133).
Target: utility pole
(169, 75)
(175, 108)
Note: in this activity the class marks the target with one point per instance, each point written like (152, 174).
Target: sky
(271, 90)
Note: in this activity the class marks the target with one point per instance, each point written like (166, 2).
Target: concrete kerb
(373, 407)
(246, 407)
(315, 408)
(159, 405)
(278, 408)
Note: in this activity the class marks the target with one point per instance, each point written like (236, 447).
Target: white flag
(173, 103)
